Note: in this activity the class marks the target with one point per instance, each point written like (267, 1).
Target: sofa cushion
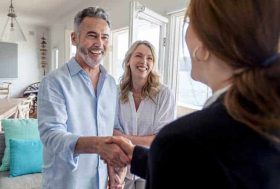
(30, 181)
(26, 156)
(17, 129)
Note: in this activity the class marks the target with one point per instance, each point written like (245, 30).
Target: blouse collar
(215, 96)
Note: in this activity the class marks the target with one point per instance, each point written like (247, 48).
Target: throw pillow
(17, 129)
(25, 157)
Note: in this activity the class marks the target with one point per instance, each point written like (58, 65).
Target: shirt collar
(74, 67)
(215, 96)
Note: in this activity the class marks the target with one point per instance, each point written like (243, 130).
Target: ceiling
(40, 12)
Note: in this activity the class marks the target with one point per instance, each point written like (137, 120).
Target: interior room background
(57, 28)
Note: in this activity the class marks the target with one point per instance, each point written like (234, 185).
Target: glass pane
(190, 93)
(55, 57)
(73, 50)
(146, 30)
(120, 47)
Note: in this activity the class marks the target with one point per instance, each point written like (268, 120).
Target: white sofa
(29, 181)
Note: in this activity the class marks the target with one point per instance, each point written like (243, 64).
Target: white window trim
(55, 54)
(67, 45)
(112, 66)
(173, 55)
(138, 10)
(172, 67)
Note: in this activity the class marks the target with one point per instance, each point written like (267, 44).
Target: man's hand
(112, 154)
(123, 143)
(116, 177)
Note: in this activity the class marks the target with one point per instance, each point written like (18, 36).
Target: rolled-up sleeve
(52, 118)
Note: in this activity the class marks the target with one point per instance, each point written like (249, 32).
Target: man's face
(92, 41)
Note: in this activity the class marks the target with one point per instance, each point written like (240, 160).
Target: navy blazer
(209, 149)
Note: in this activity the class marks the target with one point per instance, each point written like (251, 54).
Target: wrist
(98, 144)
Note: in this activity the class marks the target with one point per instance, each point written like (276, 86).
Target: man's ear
(74, 38)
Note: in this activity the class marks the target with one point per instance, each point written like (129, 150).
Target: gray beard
(87, 60)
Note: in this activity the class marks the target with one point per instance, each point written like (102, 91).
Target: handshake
(117, 153)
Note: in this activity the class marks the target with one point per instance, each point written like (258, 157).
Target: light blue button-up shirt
(69, 107)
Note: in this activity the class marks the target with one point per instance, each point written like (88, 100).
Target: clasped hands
(116, 151)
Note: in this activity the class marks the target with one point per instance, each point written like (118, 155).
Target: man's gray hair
(93, 12)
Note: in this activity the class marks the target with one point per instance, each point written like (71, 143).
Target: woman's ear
(205, 54)
(201, 53)
(74, 38)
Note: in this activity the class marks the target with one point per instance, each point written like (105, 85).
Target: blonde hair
(151, 88)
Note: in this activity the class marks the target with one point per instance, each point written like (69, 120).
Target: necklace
(137, 97)
(137, 100)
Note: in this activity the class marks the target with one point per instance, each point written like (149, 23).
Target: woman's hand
(124, 143)
(116, 177)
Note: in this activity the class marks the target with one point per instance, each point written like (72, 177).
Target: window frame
(175, 27)
(139, 11)
(113, 53)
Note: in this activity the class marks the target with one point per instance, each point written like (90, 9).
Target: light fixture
(12, 31)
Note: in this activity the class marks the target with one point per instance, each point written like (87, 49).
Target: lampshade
(12, 31)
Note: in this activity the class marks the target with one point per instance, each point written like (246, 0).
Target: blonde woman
(145, 105)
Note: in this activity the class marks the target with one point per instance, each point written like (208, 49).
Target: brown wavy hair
(151, 88)
(245, 34)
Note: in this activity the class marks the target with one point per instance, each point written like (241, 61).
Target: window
(146, 24)
(73, 50)
(190, 94)
(119, 47)
(55, 58)
(70, 50)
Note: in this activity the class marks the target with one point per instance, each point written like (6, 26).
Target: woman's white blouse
(150, 117)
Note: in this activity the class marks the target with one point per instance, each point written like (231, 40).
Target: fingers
(115, 180)
(116, 151)
(113, 155)
(121, 173)
(120, 186)
(113, 177)
(120, 159)
(124, 143)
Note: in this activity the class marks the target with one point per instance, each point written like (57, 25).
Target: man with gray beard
(76, 111)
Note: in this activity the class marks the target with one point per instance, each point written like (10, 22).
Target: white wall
(119, 11)
(29, 70)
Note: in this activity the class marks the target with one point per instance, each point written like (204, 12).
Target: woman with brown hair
(234, 142)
